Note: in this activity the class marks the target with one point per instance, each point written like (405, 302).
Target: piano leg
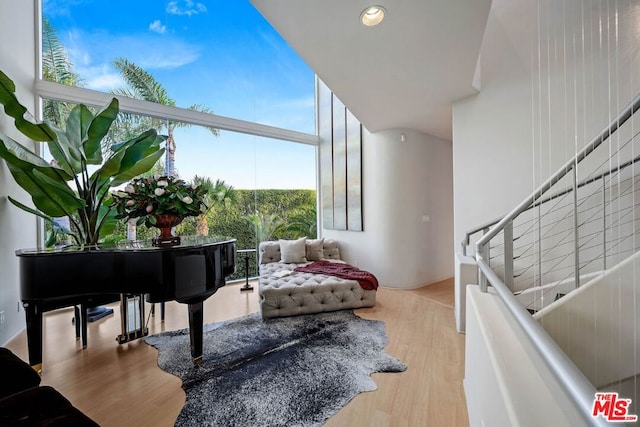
(77, 320)
(195, 331)
(83, 324)
(80, 321)
(34, 335)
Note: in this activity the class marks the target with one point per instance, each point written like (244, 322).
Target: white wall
(18, 229)
(596, 325)
(402, 183)
(545, 94)
(506, 382)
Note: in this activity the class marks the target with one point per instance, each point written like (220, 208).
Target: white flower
(121, 193)
(163, 183)
(129, 189)
(149, 208)
(188, 200)
(130, 202)
(159, 191)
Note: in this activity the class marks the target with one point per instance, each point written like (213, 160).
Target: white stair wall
(506, 381)
(595, 325)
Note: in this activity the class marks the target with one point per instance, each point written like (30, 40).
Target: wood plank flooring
(121, 385)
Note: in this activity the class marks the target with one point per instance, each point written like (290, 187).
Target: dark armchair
(23, 402)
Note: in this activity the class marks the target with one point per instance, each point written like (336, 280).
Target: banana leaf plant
(65, 187)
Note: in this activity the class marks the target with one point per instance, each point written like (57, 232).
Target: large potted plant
(161, 202)
(66, 187)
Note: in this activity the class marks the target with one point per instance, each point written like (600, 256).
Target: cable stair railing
(589, 239)
(566, 233)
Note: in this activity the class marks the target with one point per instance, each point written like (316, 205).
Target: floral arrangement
(145, 198)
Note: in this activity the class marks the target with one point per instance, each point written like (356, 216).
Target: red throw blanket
(345, 271)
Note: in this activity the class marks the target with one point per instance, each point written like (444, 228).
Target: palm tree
(303, 222)
(142, 85)
(265, 226)
(56, 67)
(218, 194)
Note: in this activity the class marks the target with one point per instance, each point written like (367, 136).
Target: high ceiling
(402, 74)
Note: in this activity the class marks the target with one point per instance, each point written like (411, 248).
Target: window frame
(59, 92)
(90, 97)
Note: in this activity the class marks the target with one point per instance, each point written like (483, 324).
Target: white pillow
(314, 249)
(330, 249)
(269, 252)
(293, 251)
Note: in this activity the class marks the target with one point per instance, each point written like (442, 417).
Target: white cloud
(186, 7)
(157, 27)
(146, 50)
(175, 55)
(105, 81)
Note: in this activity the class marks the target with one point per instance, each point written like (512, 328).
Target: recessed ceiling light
(373, 15)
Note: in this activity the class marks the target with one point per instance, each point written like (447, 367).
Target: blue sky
(221, 54)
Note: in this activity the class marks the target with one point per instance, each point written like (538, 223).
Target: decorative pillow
(314, 249)
(293, 251)
(331, 250)
(269, 252)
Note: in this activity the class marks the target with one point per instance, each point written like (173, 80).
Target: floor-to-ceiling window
(257, 133)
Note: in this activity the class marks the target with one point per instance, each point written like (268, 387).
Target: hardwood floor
(121, 385)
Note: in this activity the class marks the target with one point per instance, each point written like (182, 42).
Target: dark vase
(165, 222)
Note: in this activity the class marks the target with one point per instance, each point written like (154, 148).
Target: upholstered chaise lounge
(285, 292)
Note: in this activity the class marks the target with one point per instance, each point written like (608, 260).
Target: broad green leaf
(124, 145)
(99, 184)
(20, 157)
(51, 239)
(107, 220)
(61, 150)
(137, 151)
(156, 144)
(41, 194)
(60, 191)
(110, 167)
(29, 127)
(142, 166)
(77, 125)
(125, 164)
(98, 130)
(30, 210)
(20, 151)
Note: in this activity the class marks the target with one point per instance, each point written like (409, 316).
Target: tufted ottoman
(284, 292)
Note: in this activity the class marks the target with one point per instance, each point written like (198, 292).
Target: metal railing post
(575, 226)
(539, 278)
(508, 255)
(486, 249)
(604, 225)
(482, 281)
(484, 254)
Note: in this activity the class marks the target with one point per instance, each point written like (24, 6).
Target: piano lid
(129, 246)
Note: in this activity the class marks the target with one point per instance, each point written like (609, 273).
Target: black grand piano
(188, 273)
